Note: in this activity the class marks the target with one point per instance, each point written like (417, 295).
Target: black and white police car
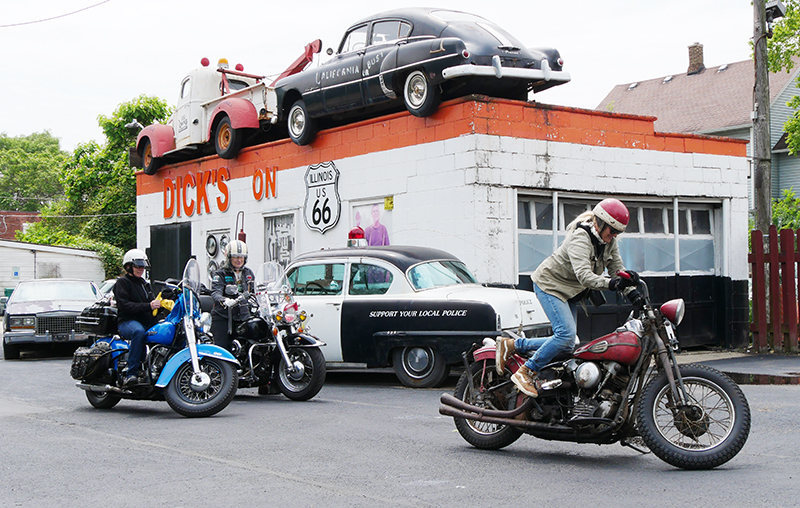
(414, 308)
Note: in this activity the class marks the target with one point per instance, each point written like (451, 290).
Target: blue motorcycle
(181, 366)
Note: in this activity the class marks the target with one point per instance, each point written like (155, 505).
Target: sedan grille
(55, 325)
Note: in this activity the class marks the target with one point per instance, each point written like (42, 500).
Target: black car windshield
(440, 273)
(55, 290)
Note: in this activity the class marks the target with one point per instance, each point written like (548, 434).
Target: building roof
(714, 99)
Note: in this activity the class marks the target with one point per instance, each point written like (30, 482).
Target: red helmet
(611, 212)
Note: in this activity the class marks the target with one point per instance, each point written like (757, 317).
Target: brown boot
(505, 348)
(526, 381)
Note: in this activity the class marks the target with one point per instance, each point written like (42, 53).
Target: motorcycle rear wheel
(486, 436)
(185, 401)
(706, 433)
(305, 386)
(102, 400)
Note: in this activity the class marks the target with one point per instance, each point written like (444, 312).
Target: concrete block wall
(455, 176)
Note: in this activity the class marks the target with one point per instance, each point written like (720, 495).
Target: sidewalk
(749, 368)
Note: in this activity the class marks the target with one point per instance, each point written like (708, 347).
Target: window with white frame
(648, 244)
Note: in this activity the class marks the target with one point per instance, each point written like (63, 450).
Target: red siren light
(204, 62)
(356, 238)
(240, 67)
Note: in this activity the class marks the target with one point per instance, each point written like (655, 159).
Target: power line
(54, 17)
(28, 215)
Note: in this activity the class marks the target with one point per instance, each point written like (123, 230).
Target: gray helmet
(235, 248)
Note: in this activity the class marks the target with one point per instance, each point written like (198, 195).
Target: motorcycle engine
(600, 388)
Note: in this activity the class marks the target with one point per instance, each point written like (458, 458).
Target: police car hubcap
(418, 360)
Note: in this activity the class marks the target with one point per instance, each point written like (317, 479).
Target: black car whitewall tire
(419, 95)
(419, 367)
(302, 128)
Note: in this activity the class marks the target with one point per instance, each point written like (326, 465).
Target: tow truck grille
(55, 325)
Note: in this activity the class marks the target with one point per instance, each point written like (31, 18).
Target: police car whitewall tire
(302, 128)
(227, 140)
(419, 95)
(419, 367)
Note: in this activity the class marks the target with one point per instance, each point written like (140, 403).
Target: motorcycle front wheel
(193, 401)
(308, 376)
(486, 436)
(705, 432)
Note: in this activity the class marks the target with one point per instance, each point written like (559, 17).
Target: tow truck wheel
(302, 128)
(227, 140)
(150, 164)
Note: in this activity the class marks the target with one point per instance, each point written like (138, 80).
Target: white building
(25, 261)
(485, 179)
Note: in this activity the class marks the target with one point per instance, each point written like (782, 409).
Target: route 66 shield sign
(323, 205)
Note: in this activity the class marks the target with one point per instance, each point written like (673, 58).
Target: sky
(61, 70)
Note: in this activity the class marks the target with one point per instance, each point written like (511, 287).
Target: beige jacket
(574, 266)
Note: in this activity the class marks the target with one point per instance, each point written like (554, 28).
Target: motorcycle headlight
(674, 310)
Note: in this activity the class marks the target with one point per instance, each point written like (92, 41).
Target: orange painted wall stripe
(467, 115)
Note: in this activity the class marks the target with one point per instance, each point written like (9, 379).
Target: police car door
(319, 289)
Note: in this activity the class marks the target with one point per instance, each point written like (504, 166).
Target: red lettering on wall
(264, 183)
(258, 184)
(224, 201)
(202, 195)
(188, 181)
(178, 200)
(169, 198)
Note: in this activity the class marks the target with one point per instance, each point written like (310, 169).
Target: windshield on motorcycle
(191, 275)
(272, 290)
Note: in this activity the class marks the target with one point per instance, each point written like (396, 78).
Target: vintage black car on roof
(414, 308)
(43, 311)
(414, 57)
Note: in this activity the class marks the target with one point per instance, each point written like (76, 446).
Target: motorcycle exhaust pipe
(451, 401)
(511, 422)
(100, 388)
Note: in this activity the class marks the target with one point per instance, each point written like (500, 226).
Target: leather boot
(526, 381)
(505, 348)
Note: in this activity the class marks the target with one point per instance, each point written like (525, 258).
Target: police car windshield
(440, 273)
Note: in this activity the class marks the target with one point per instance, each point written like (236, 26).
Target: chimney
(696, 64)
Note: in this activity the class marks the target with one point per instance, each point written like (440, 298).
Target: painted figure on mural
(376, 233)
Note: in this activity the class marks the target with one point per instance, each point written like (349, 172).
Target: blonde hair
(586, 216)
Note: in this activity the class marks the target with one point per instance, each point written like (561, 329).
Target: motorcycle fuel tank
(621, 347)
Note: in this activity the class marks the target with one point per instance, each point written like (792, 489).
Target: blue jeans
(563, 318)
(134, 332)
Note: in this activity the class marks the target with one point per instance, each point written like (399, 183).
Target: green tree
(98, 211)
(782, 47)
(786, 211)
(29, 169)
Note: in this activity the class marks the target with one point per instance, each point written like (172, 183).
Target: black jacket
(224, 277)
(133, 296)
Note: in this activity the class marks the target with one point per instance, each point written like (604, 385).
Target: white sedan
(414, 308)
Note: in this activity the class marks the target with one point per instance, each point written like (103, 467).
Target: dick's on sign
(323, 205)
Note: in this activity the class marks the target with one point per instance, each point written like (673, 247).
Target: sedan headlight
(22, 322)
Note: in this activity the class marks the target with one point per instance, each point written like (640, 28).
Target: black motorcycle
(273, 345)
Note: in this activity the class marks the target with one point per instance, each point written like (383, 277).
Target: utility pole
(761, 149)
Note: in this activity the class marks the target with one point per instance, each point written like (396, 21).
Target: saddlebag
(99, 319)
(88, 362)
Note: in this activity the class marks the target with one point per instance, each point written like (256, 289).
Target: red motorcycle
(623, 387)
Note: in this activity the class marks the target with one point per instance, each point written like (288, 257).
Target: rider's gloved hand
(624, 279)
(229, 302)
(636, 299)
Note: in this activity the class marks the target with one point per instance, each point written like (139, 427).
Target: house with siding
(715, 101)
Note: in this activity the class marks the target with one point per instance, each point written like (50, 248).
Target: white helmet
(235, 248)
(134, 257)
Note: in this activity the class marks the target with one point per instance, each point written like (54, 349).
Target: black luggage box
(98, 319)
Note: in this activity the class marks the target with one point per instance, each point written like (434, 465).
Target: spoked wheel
(227, 140)
(102, 400)
(419, 367)
(308, 376)
(419, 95)
(488, 394)
(208, 395)
(707, 430)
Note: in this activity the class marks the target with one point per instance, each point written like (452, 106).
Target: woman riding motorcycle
(233, 273)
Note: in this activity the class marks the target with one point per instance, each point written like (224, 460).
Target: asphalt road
(364, 441)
